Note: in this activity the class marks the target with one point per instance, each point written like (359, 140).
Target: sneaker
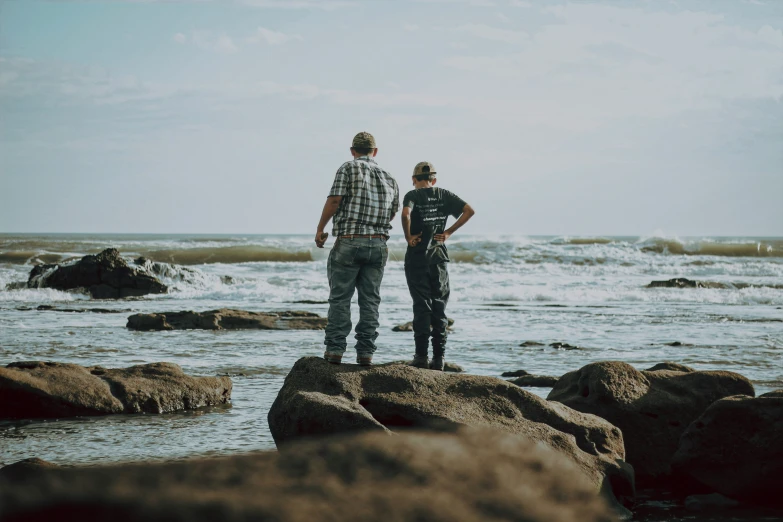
(420, 361)
(437, 363)
(334, 358)
(364, 360)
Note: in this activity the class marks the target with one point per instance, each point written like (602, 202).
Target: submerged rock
(319, 399)
(227, 319)
(103, 276)
(515, 373)
(408, 327)
(531, 343)
(736, 448)
(652, 408)
(30, 390)
(681, 282)
(464, 477)
(539, 381)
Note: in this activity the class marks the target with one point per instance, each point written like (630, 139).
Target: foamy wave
(770, 248)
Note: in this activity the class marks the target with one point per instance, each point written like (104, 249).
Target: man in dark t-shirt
(424, 214)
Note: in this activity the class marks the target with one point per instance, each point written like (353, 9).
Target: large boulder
(30, 390)
(227, 319)
(319, 398)
(652, 407)
(103, 276)
(472, 475)
(736, 448)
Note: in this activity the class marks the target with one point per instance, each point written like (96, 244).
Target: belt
(362, 236)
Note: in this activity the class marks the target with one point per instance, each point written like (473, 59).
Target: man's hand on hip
(320, 238)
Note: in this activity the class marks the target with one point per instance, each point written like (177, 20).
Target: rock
(773, 393)
(103, 276)
(681, 282)
(408, 327)
(564, 346)
(540, 381)
(652, 408)
(311, 302)
(736, 448)
(515, 373)
(30, 390)
(677, 343)
(712, 501)
(670, 366)
(448, 367)
(50, 308)
(226, 319)
(531, 343)
(465, 477)
(227, 280)
(16, 285)
(25, 469)
(319, 399)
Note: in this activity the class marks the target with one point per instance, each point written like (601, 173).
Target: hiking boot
(420, 361)
(333, 358)
(437, 363)
(364, 360)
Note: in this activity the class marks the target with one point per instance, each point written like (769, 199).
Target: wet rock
(710, 502)
(227, 319)
(773, 393)
(464, 477)
(16, 285)
(538, 381)
(25, 469)
(671, 366)
(319, 399)
(448, 367)
(408, 327)
(311, 302)
(564, 346)
(531, 343)
(515, 373)
(736, 448)
(652, 408)
(681, 282)
(30, 390)
(227, 280)
(50, 308)
(103, 276)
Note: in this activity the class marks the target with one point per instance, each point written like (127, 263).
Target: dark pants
(429, 287)
(355, 265)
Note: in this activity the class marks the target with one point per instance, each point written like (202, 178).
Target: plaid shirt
(370, 198)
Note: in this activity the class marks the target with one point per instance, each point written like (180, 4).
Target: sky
(548, 117)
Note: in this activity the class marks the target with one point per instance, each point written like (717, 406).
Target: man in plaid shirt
(363, 201)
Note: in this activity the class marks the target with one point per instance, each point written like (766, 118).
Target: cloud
(494, 33)
(270, 37)
(180, 38)
(211, 41)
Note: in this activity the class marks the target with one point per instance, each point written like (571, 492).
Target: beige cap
(424, 167)
(363, 140)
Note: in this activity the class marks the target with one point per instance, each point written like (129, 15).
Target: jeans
(429, 288)
(356, 263)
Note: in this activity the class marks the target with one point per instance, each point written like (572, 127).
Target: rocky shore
(226, 319)
(464, 447)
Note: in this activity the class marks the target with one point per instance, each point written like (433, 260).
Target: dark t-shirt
(430, 208)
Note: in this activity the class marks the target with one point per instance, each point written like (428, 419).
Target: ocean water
(587, 292)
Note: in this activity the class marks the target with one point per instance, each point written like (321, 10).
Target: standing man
(363, 201)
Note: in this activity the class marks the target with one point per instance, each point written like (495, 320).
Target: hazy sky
(581, 118)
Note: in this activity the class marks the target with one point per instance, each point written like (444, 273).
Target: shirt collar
(365, 158)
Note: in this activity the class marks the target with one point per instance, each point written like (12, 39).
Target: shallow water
(508, 290)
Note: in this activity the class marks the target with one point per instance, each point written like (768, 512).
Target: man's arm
(330, 209)
(406, 228)
(467, 213)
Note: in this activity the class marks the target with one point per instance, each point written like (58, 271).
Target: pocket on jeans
(384, 254)
(343, 254)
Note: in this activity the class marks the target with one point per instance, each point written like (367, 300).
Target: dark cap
(363, 140)
(424, 167)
